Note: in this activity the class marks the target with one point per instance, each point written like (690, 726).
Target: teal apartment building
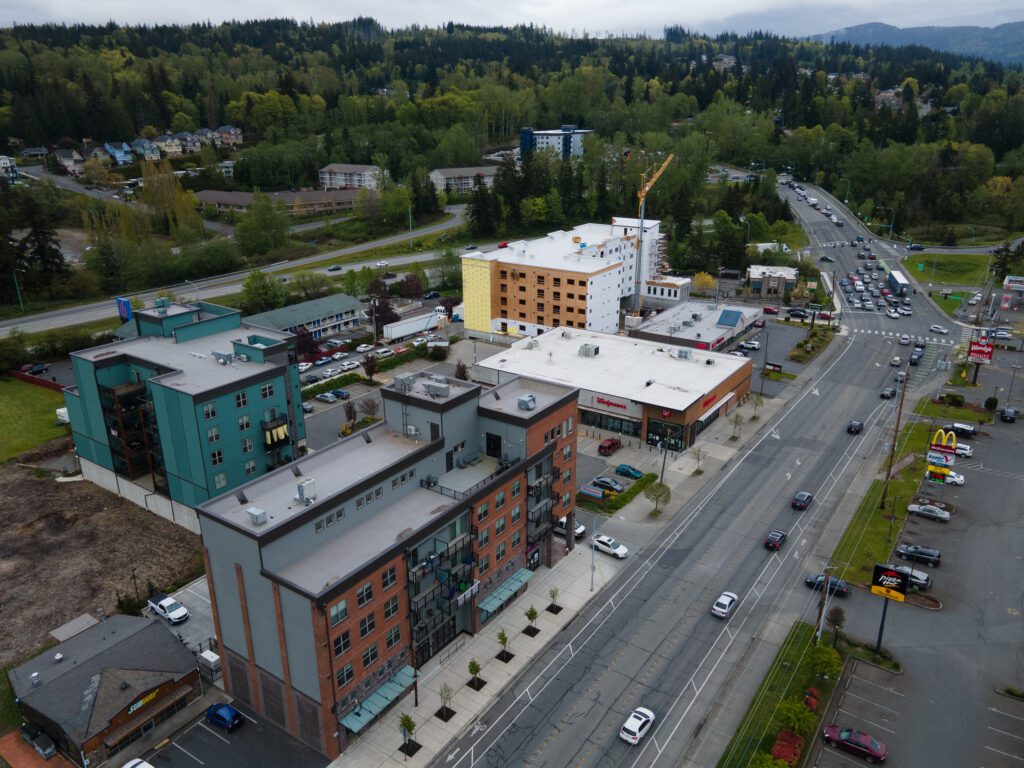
(198, 404)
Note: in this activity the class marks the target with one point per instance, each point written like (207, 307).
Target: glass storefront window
(673, 434)
(611, 423)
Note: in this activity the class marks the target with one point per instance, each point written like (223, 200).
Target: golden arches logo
(941, 436)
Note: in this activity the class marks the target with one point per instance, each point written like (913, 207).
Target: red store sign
(609, 403)
(709, 401)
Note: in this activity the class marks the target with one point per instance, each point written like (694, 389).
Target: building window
(540, 293)
(517, 488)
(367, 624)
(566, 476)
(571, 418)
(267, 391)
(244, 423)
(342, 643)
(503, 274)
(485, 564)
(394, 636)
(557, 282)
(345, 675)
(369, 655)
(217, 458)
(540, 306)
(389, 578)
(210, 411)
(499, 500)
(516, 514)
(540, 279)
(481, 512)
(583, 284)
(522, 302)
(391, 608)
(567, 450)
(557, 296)
(241, 400)
(246, 445)
(484, 536)
(220, 480)
(339, 612)
(522, 289)
(364, 595)
(499, 553)
(504, 301)
(570, 281)
(565, 500)
(250, 468)
(570, 296)
(499, 526)
(378, 492)
(213, 435)
(517, 538)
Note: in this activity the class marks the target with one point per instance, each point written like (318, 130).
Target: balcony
(464, 481)
(275, 431)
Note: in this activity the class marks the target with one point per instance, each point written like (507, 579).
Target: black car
(798, 312)
(828, 259)
(915, 359)
(855, 427)
(608, 484)
(961, 430)
(310, 378)
(774, 540)
(836, 586)
(888, 393)
(802, 500)
(1008, 415)
(918, 554)
(307, 408)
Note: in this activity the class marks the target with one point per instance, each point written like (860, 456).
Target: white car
(339, 355)
(168, 608)
(896, 361)
(303, 367)
(328, 372)
(725, 605)
(750, 344)
(386, 352)
(349, 365)
(929, 511)
(609, 546)
(364, 348)
(918, 579)
(905, 311)
(954, 478)
(637, 725)
(904, 339)
(963, 449)
(939, 329)
(419, 343)
(381, 264)
(892, 313)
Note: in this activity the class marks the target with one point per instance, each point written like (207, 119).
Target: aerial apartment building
(197, 403)
(566, 141)
(350, 176)
(567, 279)
(333, 579)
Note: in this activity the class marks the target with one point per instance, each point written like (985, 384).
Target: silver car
(930, 511)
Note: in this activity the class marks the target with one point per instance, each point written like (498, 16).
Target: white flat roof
(761, 270)
(623, 367)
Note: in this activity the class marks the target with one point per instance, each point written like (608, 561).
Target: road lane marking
(1006, 754)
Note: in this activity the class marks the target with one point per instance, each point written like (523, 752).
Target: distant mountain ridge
(1004, 43)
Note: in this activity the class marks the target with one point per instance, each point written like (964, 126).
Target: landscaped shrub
(954, 400)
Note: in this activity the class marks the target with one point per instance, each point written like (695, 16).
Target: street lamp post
(846, 195)
(17, 289)
(1014, 376)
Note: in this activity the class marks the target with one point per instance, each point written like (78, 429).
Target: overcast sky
(597, 17)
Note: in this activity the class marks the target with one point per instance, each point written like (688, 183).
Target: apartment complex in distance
(574, 279)
(349, 176)
(461, 181)
(197, 403)
(334, 578)
(566, 141)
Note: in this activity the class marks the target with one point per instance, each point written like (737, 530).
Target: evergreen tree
(481, 210)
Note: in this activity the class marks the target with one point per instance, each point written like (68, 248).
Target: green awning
(379, 700)
(505, 591)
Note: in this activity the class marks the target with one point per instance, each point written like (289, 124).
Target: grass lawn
(942, 412)
(948, 304)
(30, 417)
(819, 341)
(949, 268)
(788, 677)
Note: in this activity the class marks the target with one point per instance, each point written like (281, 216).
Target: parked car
(36, 369)
(918, 579)
(349, 365)
(961, 430)
(308, 408)
(329, 372)
(322, 360)
(578, 532)
(856, 743)
(609, 546)
(770, 310)
(303, 367)
(963, 449)
(798, 313)
(954, 478)
(364, 348)
(802, 500)
(724, 606)
(608, 484)
(339, 356)
(836, 586)
(626, 470)
(37, 738)
(930, 511)
(310, 378)
(750, 344)
(326, 397)
(855, 427)
(637, 725)
(432, 295)
(1008, 415)
(774, 540)
(918, 554)
(609, 446)
(168, 608)
(224, 716)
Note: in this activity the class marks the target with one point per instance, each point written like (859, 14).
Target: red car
(770, 311)
(759, 323)
(856, 743)
(400, 350)
(609, 446)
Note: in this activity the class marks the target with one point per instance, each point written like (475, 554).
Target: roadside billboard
(887, 582)
(980, 351)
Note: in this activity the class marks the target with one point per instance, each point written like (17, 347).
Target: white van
(335, 343)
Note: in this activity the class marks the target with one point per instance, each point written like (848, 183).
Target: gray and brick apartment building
(335, 577)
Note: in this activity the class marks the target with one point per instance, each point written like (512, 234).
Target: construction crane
(647, 180)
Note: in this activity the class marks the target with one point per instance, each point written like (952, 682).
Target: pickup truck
(168, 608)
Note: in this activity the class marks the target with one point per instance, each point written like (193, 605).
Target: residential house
(95, 152)
(462, 180)
(226, 168)
(146, 149)
(168, 144)
(350, 176)
(230, 135)
(190, 143)
(70, 161)
(33, 153)
(208, 136)
(119, 152)
(723, 62)
(8, 168)
(322, 317)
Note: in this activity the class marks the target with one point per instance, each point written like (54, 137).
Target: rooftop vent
(437, 389)
(709, 361)
(257, 516)
(674, 328)
(532, 344)
(527, 402)
(404, 382)
(34, 677)
(412, 430)
(307, 490)
(683, 354)
(688, 323)
(589, 350)
(697, 316)
(224, 358)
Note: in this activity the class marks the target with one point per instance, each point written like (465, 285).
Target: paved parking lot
(1003, 734)
(867, 700)
(198, 631)
(256, 743)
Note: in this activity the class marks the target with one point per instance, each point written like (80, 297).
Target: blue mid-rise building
(198, 403)
(566, 141)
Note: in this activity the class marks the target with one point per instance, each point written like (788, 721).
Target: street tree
(310, 285)
(835, 618)
(261, 292)
(262, 228)
(369, 363)
(461, 371)
(658, 494)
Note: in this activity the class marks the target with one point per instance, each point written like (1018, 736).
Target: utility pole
(826, 576)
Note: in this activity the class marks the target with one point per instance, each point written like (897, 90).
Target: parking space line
(869, 722)
(196, 594)
(1007, 754)
(250, 719)
(1000, 712)
(878, 685)
(872, 703)
(188, 753)
(836, 753)
(1007, 733)
(205, 727)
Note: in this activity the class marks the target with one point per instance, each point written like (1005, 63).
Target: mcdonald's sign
(943, 442)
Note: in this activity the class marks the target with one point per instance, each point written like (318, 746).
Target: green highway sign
(815, 307)
(920, 267)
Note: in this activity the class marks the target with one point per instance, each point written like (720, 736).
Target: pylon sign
(941, 456)
(943, 442)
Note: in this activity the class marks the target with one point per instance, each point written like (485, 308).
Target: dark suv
(802, 500)
(836, 586)
(961, 430)
(918, 554)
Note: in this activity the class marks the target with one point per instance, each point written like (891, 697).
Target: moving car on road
(855, 427)
(725, 605)
(939, 329)
(802, 500)
(609, 546)
(774, 540)
(637, 725)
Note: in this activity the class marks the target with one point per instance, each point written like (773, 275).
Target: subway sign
(143, 701)
(890, 583)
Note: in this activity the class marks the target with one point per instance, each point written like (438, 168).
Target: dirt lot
(68, 549)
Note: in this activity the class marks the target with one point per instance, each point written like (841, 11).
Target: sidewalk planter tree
(474, 669)
(554, 608)
(698, 456)
(531, 616)
(737, 423)
(505, 656)
(445, 713)
(658, 494)
(757, 402)
(408, 726)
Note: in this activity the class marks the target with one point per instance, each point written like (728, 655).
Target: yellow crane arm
(645, 185)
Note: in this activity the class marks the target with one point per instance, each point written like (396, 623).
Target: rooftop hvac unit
(438, 378)
(412, 430)
(697, 316)
(683, 353)
(224, 358)
(709, 361)
(404, 381)
(243, 358)
(527, 402)
(688, 323)
(532, 344)
(307, 490)
(257, 516)
(436, 389)
(674, 328)
(566, 334)
(589, 350)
